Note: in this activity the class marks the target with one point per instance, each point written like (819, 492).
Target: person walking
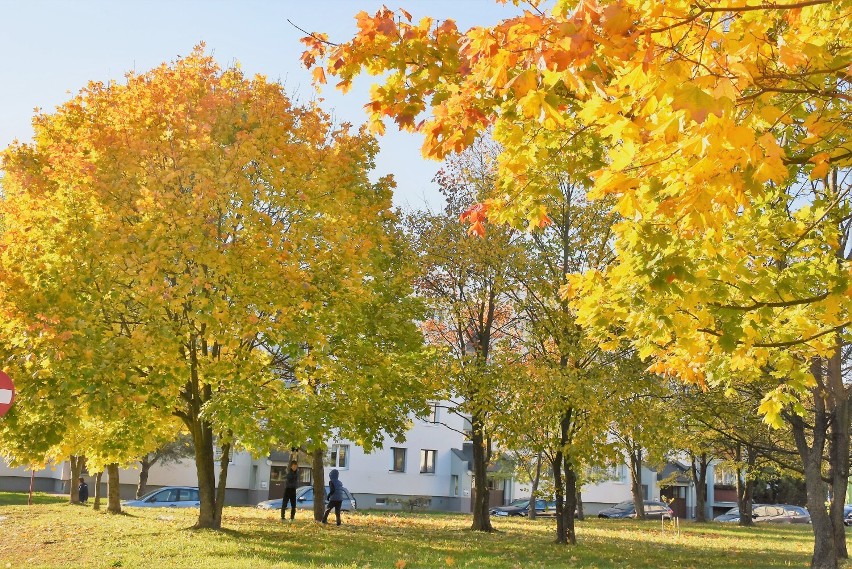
(291, 482)
(335, 496)
(83, 491)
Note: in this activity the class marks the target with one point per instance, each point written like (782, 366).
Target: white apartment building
(433, 464)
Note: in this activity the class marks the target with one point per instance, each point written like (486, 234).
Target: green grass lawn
(21, 498)
(62, 535)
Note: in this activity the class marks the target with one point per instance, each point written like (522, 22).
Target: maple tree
(561, 403)
(361, 345)
(715, 117)
(465, 283)
(640, 424)
(166, 240)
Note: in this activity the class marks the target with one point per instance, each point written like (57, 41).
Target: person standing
(291, 482)
(83, 491)
(335, 496)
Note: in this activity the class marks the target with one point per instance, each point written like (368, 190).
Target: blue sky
(53, 48)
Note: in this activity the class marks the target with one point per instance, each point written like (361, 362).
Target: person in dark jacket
(291, 482)
(335, 496)
(83, 491)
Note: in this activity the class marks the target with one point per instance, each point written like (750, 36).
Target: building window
(433, 414)
(398, 459)
(454, 485)
(278, 473)
(338, 456)
(427, 461)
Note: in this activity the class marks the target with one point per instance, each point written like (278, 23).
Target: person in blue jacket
(335, 496)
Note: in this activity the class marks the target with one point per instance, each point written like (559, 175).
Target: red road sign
(7, 393)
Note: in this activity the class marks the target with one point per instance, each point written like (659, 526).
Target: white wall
(50, 471)
(183, 473)
(618, 490)
(372, 473)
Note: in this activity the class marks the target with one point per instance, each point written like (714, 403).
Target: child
(335, 496)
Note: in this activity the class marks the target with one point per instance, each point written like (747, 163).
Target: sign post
(7, 393)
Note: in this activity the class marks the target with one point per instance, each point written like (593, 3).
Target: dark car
(653, 510)
(770, 513)
(847, 515)
(798, 514)
(521, 507)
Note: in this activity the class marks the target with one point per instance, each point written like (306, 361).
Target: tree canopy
(185, 243)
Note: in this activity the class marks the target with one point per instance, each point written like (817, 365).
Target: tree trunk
(77, 463)
(636, 482)
(559, 489)
(825, 553)
(113, 489)
(222, 487)
(838, 454)
(744, 501)
(534, 490)
(202, 437)
(318, 474)
(810, 443)
(195, 396)
(98, 493)
(144, 468)
(745, 486)
(565, 480)
(570, 502)
(481, 452)
(580, 515)
(698, 467)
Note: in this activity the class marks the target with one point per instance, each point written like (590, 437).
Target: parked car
(653, 510)
(770, 513)
(305, 499)
(847, 515)
(798, 514)
(167, 497)
(521, 507)
(732, 515)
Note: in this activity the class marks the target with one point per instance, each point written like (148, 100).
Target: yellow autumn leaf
(522, 83)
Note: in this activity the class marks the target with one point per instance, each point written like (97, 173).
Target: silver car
(305, 499)
(167, 497)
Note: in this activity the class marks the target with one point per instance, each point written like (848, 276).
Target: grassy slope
(62, 535)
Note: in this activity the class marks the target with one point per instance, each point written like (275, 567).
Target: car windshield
(520, 503)
(733, 512)
(148, 495)
(623, 506)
